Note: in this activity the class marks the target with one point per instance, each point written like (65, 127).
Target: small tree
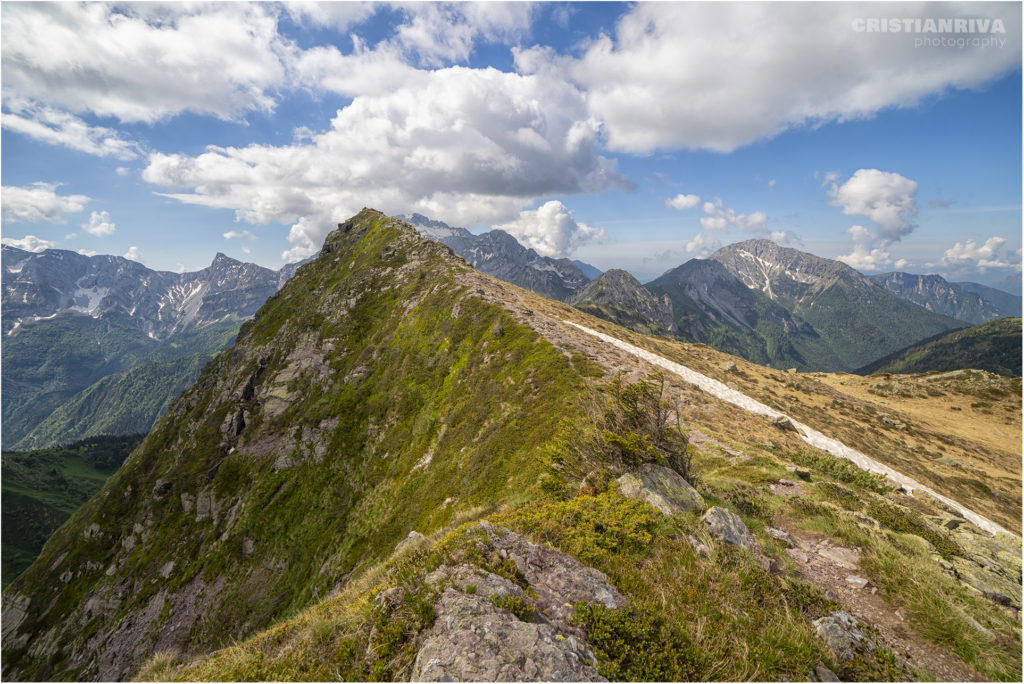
(642, 426)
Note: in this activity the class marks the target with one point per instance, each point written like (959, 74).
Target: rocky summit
(406, 469)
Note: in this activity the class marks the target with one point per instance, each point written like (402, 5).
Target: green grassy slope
(409, 403)
(52, 366)
(994, 346)
(42, 489)
(118, 404)
(861, 323)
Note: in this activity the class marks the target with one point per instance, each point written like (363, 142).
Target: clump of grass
(900, 519)
(516, 605)
(842, 470)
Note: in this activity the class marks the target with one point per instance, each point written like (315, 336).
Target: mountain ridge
(499, 254)
(390, 388)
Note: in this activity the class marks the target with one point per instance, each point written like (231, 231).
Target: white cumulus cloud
(143, 61)
(67, 130)
(467, 146)
(991, 254)
(723, 218)
(682, 201)
(885, 198)
(133, 254)
(29, 243)
(551, 230)
(655, 83)
(240, 235)
(39, 202)
(866, 254)
(99, 224)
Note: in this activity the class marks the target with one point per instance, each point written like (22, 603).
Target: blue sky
(627, 135)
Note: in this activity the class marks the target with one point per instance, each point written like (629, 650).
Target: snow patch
(808, 434)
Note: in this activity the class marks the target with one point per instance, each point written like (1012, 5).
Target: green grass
(43, 488)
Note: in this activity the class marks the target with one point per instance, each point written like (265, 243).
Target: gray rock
(824, 674)
(856, 581)
(661, 487)
(780, 535)
(783, 423)
(728, 367)
(471, 639)
(727, 526)
(843, 557)
(842, 636)
(558, 579)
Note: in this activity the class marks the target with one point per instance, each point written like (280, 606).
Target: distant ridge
(994, 347)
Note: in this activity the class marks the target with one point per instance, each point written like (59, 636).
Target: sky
(636, 136)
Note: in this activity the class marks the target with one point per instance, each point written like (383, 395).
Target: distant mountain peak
(501, 255)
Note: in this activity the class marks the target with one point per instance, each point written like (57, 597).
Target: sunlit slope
(372, 396)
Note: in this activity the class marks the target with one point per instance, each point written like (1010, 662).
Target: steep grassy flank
(861, 321)
(711, 615)
(42, 489)
(118, 404)
(50, 363)
(371, 396)
(994, 347)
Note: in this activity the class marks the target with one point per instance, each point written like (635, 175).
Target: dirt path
(827, 566)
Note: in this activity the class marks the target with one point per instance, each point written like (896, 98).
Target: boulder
(559, 580)
(843, 637)
(728, 367)
(783, 423)
(780, 535)
(661, 487)
(727, 526)
(472, 639)
(856, 581)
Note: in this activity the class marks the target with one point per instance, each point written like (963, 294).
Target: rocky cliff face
(940, 296)
(618, 297)
(499, 254)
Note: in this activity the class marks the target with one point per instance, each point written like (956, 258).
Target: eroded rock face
(727, 526)
(473, 639)
(661, 487)
(842, 636)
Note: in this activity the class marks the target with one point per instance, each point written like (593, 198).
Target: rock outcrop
(843, 636)
(490, 629)
(726, 526)
(661, 487)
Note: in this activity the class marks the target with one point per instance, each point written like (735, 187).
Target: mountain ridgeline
(499, 254)
(994, 347)
(617, 296)
(371, 396)
(405, 469)
(963, 301)
(80, 331)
